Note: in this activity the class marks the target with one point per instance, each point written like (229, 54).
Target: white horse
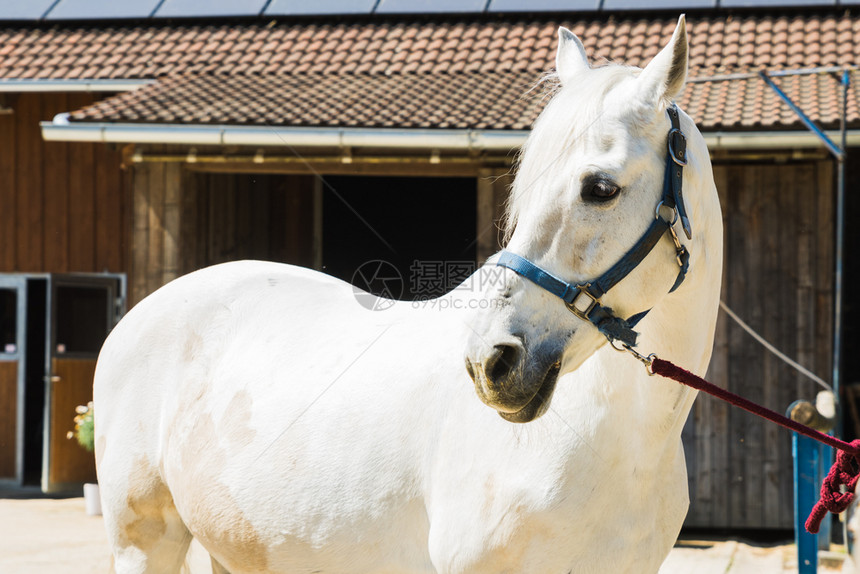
(260, 409)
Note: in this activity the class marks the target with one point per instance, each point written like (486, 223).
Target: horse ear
(663, 78)
(570, 59)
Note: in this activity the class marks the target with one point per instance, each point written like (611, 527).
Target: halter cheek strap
(583, 299)
(678, 155)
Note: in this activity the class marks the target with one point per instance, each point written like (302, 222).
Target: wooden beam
(140, 234)
(172, 222)
(337, 168)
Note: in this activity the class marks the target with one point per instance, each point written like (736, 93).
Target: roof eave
(774, 139)
(385, 138)
(266, 136)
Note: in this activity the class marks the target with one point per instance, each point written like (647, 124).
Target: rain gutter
(774, 140)
(72, 85)
(60, 129)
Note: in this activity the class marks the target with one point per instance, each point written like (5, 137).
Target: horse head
(588, 188)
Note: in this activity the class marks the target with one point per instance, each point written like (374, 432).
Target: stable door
(83, 310)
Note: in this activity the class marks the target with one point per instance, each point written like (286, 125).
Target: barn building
(143, 140)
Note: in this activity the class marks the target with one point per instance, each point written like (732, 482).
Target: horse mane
(566, 118)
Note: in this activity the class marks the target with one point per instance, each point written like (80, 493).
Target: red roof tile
(401, 100)
(436, 73)
(492, 101)
(725, 42)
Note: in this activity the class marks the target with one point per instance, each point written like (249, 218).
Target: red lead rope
(844, 472)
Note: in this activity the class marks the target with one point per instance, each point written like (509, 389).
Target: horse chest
(545, 512)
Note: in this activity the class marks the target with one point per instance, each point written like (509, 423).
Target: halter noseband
(583, 299)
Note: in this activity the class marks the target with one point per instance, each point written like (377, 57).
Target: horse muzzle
(517, 384)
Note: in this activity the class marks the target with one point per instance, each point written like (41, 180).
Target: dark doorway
(851, 296)
(34, 381)
(423, 227)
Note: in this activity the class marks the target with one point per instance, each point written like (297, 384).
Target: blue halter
(583, 299)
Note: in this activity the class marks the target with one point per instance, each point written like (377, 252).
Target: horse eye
(600, 190)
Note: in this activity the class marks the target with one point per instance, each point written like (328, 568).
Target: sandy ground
(47, 536)
(737, 557)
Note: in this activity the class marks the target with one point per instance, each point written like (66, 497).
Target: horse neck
(680, 328)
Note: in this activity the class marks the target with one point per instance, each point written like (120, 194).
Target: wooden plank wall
(778, 277)
(156, 228)
(8, 417)
(186, 220)
(254, 216)
(62, 205)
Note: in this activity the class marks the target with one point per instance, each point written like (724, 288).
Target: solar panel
(24, 9)
(429, 6)
(101, 9)
(760, 3)
(305, 8)
(212, 8)
(542, 5)
(658, 4)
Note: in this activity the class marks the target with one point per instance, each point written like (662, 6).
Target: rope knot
(837, 490)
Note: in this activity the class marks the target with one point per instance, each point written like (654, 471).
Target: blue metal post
(805, 453)
(825, 459)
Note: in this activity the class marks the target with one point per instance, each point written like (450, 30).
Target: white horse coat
(260, 409)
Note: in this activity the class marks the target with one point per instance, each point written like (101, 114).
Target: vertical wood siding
(62, 205)
(185, 220)
(254, 216)
(778, 276)
(8, 417)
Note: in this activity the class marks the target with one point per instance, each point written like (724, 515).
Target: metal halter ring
(658, 216)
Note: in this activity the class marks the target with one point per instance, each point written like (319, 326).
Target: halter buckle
(678, 146)
(579, 310)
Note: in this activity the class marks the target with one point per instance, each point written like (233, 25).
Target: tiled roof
(430, 73)
(717, 42)
(464, 100)
(497, 100)
(749, 104)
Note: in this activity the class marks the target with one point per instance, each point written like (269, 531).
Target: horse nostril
(501, 362)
